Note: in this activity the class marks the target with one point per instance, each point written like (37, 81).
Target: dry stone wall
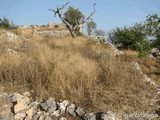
(23, 107)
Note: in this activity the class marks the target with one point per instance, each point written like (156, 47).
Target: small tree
(99, 32)
(91, 25)
(152, 28)
(5, 23)
(72, 18)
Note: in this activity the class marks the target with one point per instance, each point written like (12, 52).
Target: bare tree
(73, 28)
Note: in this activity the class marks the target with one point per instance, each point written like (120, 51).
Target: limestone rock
(71, 109)
(56, 113)
(19, 116)
(90, 116)
(30, 112)
(107, 116)
(22, 104)
(44, 106)
(63, 105)
(16, 97)
(79, 111)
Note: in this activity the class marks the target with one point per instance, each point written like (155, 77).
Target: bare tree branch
(94, 10)
(72, 28)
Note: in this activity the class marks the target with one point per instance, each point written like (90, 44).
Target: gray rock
(4, 118)
(90, 116)
(56, 113)
(51, 109)
(63, 105)
(44, 106)
(79, 111)
(51, 102)
(36, 116)
(52, 105)
(33, 104)
(108, 116)
(71, 109)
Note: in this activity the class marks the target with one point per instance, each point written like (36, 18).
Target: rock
(56, 113)
(5, 111)
(63, 118)
(4, 117)
(16, 97)
(47, 117)
(51, 105)
(79, 111)
(27, 94)
(51, 109)
(21, 105)
(33, 104)
(5, 106)
(90, 116)
(20, 116)
(71, 109)
(44, 106)
(36, 116)
(63, 105)
(30, 112)
(155, 52)
(51, 102)
(107, 116)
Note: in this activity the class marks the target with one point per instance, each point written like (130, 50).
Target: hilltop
(49, 63)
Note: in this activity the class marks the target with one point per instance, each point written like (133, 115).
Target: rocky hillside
(70, 78)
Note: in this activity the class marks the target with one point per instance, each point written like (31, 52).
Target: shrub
(5, 23)
(56, 26)
(144, 48)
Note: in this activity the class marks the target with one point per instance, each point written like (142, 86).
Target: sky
(109, 13)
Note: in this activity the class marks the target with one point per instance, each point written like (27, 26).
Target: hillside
(87, 73)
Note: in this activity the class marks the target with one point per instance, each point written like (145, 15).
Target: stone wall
(23, 107)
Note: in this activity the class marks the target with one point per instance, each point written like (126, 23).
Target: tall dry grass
(79, 70)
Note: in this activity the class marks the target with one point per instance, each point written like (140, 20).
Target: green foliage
(132, 38)
(73, 16)
(152, 24)
(144, 48)
(128, 38)
(56, 26)
(5, 23)
(152, 28)
(91, 25)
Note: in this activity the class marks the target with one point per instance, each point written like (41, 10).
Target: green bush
(144, 48)
(5, 23)
(128, 37)
(56, 26)
(133, 38)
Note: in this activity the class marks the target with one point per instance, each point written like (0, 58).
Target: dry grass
(78, 70)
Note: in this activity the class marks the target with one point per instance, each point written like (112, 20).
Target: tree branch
(94, 10)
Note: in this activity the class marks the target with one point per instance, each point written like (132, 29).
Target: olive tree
(72, 18)
(91, 25)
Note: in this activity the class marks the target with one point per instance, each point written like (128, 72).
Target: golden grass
(78, 70)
